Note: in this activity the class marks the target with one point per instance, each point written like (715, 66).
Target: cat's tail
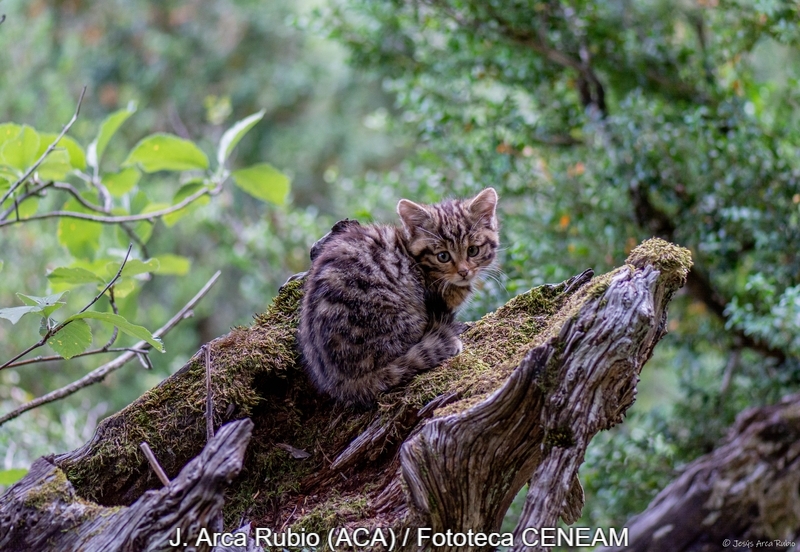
(437, 345)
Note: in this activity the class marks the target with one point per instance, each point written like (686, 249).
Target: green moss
(334, 513)
(672, 261)
(160, 416)
(285, 306)
(55, 490)
(256, 374)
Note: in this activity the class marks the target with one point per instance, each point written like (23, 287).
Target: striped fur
(380, 301)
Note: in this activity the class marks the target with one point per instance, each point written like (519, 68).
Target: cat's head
(452, 241)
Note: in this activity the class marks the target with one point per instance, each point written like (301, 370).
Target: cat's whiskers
(490, 271)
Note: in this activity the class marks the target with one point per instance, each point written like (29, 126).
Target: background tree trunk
(537, 379)
(744, 493)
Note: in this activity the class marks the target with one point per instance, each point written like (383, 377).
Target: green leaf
(166, 152)
(144, 229)
(20, 152)
(140, 205)
(154, 207)
(7, 176)
(234, 134)
(173, 264)
(8, 131)
(25, 209)
(97, 266)
(49, 303)
(80, 237)
(9, 477)
(139, 202)
(185, 191)
(77, 157)
(72, 339)
(74, 151)
(122, 182)
(138, 332)
(123, 287)
(263, 181)
(55, 166)
(15, 313)
(74, 276)
(133, 267)
(108, 128)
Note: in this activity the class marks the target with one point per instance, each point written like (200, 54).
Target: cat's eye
(472, 250)
(443, 257)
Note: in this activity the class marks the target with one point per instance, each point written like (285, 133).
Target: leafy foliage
(82, 219)
(601, 124)
(136, 58)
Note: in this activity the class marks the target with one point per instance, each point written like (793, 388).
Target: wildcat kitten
(380, 301)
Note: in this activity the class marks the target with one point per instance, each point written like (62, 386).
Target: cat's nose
(463, 272)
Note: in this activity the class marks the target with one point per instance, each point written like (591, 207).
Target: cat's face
(455, 240)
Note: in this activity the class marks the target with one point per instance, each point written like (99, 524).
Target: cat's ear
(483, 206)
(411, 214)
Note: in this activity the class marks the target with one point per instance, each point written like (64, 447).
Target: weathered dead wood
(541, 420)
(43, 513)
(744, 491)
(536, 380)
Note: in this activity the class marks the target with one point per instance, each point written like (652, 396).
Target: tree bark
(743, 495)
(42, 512)
(537, 379)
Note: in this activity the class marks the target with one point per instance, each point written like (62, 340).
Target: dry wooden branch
(43, 513)
(745, 490)
(536, 380)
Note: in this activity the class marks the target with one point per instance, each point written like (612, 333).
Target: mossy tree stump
(537, 379)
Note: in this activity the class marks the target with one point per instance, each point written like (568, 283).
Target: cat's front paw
(455, 346)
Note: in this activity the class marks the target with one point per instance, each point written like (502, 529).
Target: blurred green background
(600, 123)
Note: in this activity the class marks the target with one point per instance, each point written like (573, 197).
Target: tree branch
(191, 502)
(744, 490)
(118, 219)
(536, 380)
(76, 194)
(53, 358)
(100, 373)
(115, 310)
(649, 217)
(58, 327)
(47, 152)
(111, 283)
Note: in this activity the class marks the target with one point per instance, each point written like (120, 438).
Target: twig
(83, 201)
(135, 238)
(52, 358)
(36, 190)
(209, 398)
(47, 152)
(114, 308)
(151, 457)
(111, 283)
(76, 194)
(117, 219)
(58, 327)
(100, 373)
